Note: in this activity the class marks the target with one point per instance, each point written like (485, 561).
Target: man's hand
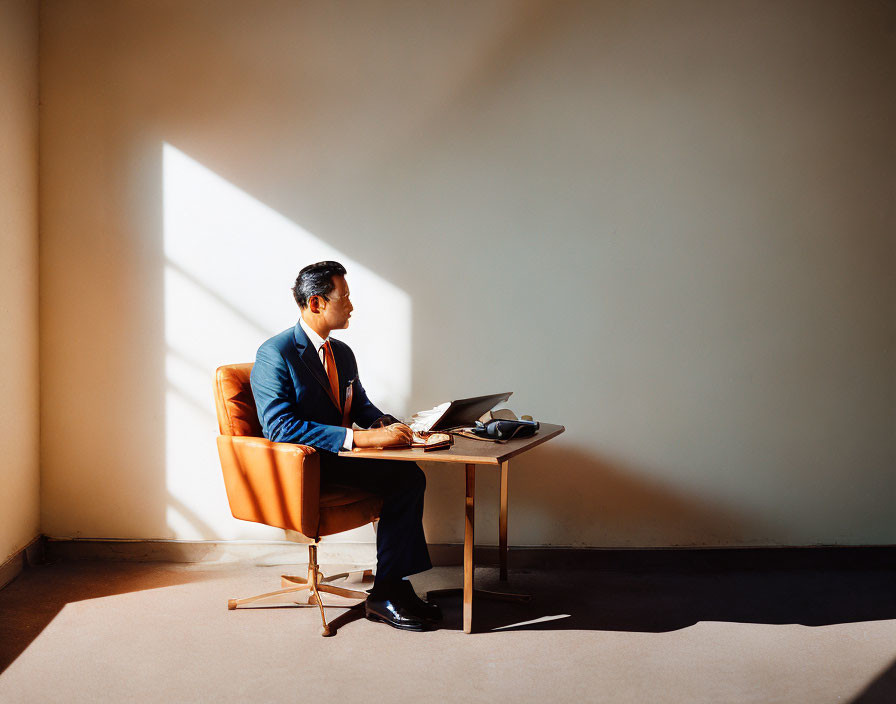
(395, 435)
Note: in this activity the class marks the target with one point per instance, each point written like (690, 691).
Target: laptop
(464, 412)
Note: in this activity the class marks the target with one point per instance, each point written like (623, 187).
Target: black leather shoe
(396, 613)
(417, 606)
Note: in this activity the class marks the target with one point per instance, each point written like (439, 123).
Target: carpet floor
(160, 632)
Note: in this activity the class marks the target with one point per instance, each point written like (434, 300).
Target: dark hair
(316, 280)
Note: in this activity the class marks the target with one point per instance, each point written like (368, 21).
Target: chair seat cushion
(343, 508)
(332, 495)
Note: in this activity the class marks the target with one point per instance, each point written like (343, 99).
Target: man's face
(338, 308)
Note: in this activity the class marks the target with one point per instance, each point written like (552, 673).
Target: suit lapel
(310, 358)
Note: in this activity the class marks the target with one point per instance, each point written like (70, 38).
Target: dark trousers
(400, 544)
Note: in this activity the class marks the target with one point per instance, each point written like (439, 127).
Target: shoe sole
(406, 627)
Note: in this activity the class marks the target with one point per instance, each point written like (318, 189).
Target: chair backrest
(234, 401)
(278, 484)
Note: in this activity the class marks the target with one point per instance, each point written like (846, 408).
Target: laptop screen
(466, 411)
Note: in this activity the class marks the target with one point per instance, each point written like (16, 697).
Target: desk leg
(468, 548)
(468, 591)
(502, 525)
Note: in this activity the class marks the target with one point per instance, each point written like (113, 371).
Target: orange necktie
(332, 374)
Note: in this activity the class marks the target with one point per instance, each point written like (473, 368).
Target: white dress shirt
(318, 343)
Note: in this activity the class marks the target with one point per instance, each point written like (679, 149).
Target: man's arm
(272, 388)
(385, 430)
(384, 420)
(364, 412)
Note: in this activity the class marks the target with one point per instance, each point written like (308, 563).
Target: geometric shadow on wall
(230, 261)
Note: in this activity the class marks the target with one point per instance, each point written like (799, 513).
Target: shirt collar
(313, 337)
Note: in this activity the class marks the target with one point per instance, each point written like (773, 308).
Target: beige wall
(19, 497)
(668, 226)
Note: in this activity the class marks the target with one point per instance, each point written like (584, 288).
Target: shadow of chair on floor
(662, 600)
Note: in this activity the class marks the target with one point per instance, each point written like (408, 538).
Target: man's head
(323, 297)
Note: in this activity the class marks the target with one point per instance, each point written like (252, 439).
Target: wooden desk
(471, 452)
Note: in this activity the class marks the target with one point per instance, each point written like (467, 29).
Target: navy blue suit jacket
(291, 392)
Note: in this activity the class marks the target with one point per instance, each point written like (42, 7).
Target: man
(307, 391)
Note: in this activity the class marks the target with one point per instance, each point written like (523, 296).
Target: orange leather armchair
(278, 484)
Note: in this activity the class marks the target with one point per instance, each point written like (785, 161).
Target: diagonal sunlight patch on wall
(230, 261)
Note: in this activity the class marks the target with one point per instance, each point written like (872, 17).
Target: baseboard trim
(671, 559)
(520, 557)
(207, 551)
(31, 554)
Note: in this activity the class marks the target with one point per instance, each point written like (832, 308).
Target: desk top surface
(465, 450)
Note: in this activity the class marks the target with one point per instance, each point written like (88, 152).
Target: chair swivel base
(315, 583)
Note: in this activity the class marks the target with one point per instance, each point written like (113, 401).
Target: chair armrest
(274, 483)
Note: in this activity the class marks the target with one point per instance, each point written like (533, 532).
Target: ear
(314, 304)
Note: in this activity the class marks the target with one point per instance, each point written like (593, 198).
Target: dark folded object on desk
(500, 429)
